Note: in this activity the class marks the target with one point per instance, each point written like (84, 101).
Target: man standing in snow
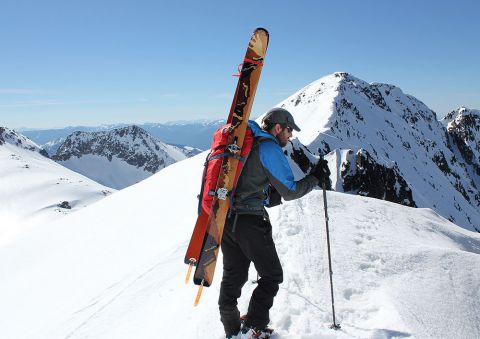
(247, 236)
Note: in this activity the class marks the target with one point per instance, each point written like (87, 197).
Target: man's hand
(275, 198)
(321, 170)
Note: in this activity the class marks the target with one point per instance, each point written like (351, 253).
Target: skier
(247, 236)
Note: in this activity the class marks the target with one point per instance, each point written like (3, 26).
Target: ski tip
(262, 29)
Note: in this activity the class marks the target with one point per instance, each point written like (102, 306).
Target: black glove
(321, 170)
(274, 198)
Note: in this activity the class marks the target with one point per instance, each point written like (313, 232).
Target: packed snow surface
(32, 188)
(115, 270)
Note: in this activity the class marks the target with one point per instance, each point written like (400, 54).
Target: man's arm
(280, 174)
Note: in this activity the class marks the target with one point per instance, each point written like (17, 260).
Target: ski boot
(253, 333)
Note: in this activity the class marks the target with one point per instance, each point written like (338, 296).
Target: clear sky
(84, 62)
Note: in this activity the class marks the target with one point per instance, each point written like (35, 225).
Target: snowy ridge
(35, 189)
(115, 270)
(117, 158)
(397, 147)
(9, 136)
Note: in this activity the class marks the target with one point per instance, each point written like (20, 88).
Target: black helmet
(280, 116)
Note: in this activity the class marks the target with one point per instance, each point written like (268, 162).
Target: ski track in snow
(111, 303)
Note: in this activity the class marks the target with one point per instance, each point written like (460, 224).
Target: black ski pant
(248, 238)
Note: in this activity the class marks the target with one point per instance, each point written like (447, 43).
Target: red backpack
(213, 164)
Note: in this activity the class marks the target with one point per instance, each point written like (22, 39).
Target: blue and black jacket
(267, 167)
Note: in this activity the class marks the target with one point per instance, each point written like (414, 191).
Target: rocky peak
(465, 123)
(10, 136)
(463, 128)
(131, 144)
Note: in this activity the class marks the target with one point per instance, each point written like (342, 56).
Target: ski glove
(321, 171)
(274, 198)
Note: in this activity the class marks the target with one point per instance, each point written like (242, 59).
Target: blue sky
(94, 62)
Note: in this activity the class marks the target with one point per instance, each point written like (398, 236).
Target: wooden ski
(207, 236)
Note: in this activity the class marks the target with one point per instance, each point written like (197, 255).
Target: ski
(205, 242)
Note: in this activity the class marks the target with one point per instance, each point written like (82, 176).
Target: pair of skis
(205, 243)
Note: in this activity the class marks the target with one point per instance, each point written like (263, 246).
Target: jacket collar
(260, 133)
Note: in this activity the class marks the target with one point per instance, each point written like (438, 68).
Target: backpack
(213, 164)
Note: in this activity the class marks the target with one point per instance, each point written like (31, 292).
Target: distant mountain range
(196, 134)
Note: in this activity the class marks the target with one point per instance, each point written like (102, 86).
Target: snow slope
(115, 270)
(117, 158)
(32, 187)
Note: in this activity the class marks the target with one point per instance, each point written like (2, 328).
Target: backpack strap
(228, 154)
(200, 196)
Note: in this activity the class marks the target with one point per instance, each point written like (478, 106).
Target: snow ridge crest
(10, 136)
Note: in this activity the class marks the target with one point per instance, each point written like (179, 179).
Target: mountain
(44, 136)
(117, 158)
(385, 144)
(115, 269)
(51, 147)
(463, 126)
(35, 189)
(196, 134)
(11, 137)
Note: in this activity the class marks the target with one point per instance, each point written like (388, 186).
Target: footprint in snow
(349, 292)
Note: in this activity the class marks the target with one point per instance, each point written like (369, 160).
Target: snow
(32, 186)
(116, 173)
(316, 109)
(115, 269)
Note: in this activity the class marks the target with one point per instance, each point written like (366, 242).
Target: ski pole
(334, 326)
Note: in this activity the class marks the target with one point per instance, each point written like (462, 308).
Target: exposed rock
(364, 176)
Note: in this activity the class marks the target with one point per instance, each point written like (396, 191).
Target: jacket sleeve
(280, 174)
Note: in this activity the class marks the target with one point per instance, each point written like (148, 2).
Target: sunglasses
(288, 128)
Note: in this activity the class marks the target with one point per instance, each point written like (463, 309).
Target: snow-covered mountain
(35, 189)
(115, 270)
(11, 137)
(117, 158)
(196, 134)
(385, 144)
(51, 147)
(463, 126)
